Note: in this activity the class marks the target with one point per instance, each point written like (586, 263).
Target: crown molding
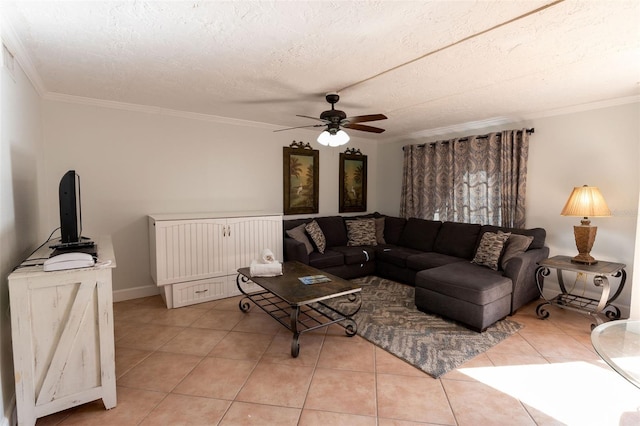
(501, 121)
(17, 49)
(461, 127)
(607, 103)
(61, 97)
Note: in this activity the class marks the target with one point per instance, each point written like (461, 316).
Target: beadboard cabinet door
(187, 250)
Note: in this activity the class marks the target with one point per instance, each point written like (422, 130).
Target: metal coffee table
(302, 307)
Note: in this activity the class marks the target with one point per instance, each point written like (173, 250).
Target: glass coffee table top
(618, 343)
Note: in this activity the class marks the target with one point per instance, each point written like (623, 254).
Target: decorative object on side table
(601, 309)
(301, 180)
(585, 201)
(353, 181)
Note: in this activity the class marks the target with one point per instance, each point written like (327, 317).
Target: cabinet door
(249, 236)
(190, 250)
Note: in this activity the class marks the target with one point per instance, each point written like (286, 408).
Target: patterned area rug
(389, 319)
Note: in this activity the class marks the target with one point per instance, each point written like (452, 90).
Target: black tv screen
(70, 226)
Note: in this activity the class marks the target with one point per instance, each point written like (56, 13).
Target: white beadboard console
(195, 256)
(62, 334)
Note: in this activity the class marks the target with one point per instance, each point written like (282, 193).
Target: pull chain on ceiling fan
(334, 119)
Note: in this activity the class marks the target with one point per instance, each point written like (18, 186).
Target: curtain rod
(529, 131)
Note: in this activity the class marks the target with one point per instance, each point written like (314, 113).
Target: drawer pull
(202, 291)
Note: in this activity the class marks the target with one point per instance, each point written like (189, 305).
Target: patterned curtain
(478, 179)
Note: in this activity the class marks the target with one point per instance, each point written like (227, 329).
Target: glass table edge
(595, 342)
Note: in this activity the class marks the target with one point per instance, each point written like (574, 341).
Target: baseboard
(10, 414)
(135, 293)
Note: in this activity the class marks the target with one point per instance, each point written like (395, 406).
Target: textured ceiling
(425, 64)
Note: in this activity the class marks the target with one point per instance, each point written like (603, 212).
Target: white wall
(134, 163)
(20, 149)
(599, 147)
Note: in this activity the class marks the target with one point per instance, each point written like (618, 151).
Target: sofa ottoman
(464, 292)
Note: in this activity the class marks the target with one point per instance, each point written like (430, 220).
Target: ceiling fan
(334, 119)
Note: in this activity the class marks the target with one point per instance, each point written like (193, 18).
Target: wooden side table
(600, 309)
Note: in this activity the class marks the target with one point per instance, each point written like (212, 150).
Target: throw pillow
(380, 230)
(314, 231)
(515, 245)
(299, 234)
(361, 232)
(490, 249)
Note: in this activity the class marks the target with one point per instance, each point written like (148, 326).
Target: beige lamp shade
(585, 201)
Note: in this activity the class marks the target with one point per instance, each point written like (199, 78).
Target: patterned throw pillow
(490, 249)
(361, 232)
(299, 234)
(314, 231)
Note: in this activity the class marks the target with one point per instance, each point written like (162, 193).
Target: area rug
(389, 319)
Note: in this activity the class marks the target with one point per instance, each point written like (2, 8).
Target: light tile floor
(211, 364)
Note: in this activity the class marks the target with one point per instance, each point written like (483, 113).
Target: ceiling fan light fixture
(339, 138)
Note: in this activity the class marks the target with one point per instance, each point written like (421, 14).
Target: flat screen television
(71, 213)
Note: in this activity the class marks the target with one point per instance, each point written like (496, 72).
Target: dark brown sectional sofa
(435, 257)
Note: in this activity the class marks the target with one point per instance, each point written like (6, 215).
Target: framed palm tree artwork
(300, 173)
(353, 181)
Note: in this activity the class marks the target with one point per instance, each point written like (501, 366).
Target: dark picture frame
(353, 181)
(300, 173)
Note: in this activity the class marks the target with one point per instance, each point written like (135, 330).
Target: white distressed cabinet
(62, 335)
(195, 257)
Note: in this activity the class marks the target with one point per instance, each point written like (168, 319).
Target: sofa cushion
(515, 245)
(465, 281)
(334, 230)
(457, 239)
(490, 249)
(299, 234)
(361, 232)
(292, 223)
(395, 255)
(420, 234)
(356, 255)
(539, 234)
(393, 227)
(317, 236)
(326, 260)
(380, 230)
(431, 259)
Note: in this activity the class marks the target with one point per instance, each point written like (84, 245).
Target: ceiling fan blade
(363, 128)
(364, 118)
(300, 127)
(313, 118)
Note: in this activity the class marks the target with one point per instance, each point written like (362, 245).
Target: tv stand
(62, 334)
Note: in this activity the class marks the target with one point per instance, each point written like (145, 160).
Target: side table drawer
(199, 291)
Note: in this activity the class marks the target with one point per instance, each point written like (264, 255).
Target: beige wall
(20, 155)
(598, 147)
(134, 163)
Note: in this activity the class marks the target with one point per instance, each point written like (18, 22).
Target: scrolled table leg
(541, 312)
(244, 304)
(351, 327)
(241, 279)
(295, 345)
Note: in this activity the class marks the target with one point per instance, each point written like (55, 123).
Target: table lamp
(585, 201)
